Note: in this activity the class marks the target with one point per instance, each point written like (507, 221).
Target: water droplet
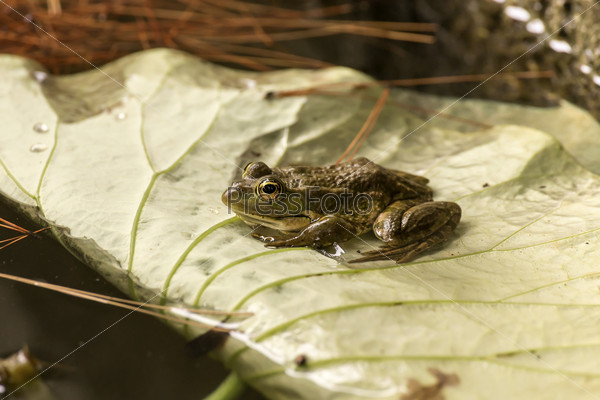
(38, 148)
(338, 250)
(337, 253)
(39, 76)
(586, 69)
(249, 83)
(214, 210)
(560, 46)
(517, 13)
(40, 127)
(535, 26)
(121, 116)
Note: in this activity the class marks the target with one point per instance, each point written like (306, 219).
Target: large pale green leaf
(131, 178)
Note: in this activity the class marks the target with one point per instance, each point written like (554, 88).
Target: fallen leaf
(130, 172)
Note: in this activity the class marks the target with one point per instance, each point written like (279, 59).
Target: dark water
(127, 356)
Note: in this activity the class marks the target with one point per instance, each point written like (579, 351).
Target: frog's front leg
(322, 232)
(410, 230)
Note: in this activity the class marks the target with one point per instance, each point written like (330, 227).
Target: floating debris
(17, 369)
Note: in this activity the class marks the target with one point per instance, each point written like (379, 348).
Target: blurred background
(415, 43)
(386, 39)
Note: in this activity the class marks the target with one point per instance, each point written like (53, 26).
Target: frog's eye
(268, 189)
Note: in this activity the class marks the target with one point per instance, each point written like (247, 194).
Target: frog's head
(262, 197)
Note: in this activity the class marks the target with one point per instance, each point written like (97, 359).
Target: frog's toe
(278, 243)
(263, 238)
(368, 257)
(397, 254)
(289, 242)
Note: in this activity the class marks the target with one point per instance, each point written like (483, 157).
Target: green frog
(320, 206)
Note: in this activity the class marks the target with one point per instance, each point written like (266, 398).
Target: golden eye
(268, 189)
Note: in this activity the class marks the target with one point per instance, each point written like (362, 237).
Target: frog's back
(331, 176)
(358, 175)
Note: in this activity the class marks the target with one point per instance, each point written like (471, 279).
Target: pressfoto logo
(289, 204)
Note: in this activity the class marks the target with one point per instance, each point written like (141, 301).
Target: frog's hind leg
(409, 231)
(415, 178)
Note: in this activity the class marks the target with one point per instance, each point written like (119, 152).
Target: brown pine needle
(12, 226)
(155, 306)
(328, 31)
(54, 7)
(330, 90)
(280, 11)
(283, 57)
(436, 80)
(257, 28)
(13, 241)
(366, 128)
(12, 238)
(128, 304)
(103, 31)
(143, 34)
(100, 298)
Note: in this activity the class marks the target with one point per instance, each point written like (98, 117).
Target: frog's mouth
(288, 224)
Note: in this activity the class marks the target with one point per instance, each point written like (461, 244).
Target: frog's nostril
(231, 196)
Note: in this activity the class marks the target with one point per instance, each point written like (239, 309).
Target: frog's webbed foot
(405, 253)
(409, 232)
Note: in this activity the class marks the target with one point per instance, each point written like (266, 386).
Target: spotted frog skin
(319, 206)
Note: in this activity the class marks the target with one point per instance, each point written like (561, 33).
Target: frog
(318, 206)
